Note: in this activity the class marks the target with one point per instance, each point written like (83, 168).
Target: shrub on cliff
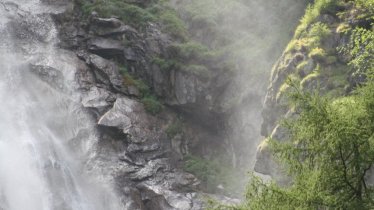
(152, 104)
(137, 16)
(129, 13)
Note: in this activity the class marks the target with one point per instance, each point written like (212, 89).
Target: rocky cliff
(314, 61)
(161, 95)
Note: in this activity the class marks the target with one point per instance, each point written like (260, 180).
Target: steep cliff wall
(168, 99)
(314, 60)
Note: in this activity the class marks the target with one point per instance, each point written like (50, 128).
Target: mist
(252, 34)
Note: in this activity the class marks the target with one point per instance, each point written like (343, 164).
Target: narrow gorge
(185, 104)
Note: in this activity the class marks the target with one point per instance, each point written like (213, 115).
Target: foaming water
(40, 121)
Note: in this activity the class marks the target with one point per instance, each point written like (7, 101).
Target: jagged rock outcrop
(134, 148)
(112, 39)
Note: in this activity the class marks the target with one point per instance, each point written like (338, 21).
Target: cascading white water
(40, 124)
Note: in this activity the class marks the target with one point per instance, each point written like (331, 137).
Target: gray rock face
(122, 116)
(185, 88)
(134, 149)
(97, 98)
(146, 161)
(105, 47)
(105, 71)
(49, 75)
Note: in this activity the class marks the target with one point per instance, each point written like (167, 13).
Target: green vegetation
(165, 64)
(170, 20)
(328, 156)
(189, 57)
(152, 104)
(189, 51)
(317, 54)
(314, 11)
(312, 39)
(128, 80)
(361, 48)
(301, 66)
(129, 13)
(200, 70)
(150, 101)
(175, 128)
(132, 14)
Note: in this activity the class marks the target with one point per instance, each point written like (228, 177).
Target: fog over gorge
(186, 104)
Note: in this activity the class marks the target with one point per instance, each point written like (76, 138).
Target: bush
(317, 54)
(174, 128)
(152, 104)
(343, 28)
(199, 70)
(129, 13)
(129, 80)
(320, 31)
(166, 64)
(305, 82)
(137, 16)
(173, 24)
(313, 11)
(188, 51)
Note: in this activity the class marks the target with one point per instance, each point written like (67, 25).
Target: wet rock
(130, 117)
(185, 88)
(106, 71)
(35, 28)
(133, 144)
(106, 48)
(181, 181)
(146, 148)
(130, 55)
(84, 76)
(50, 75)
(132, 159)
(97, 98)
(150, 169)
(133, 91)
(107, 22)
(133, 199)
(121, 115)
(159, 198)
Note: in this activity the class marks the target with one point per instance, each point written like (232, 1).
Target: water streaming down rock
(45, 137)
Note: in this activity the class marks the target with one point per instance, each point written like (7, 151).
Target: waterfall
(45, 136)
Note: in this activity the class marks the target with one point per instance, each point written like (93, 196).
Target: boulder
(130, 117)
(122, 115)
(97, 98)
(106, 72)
